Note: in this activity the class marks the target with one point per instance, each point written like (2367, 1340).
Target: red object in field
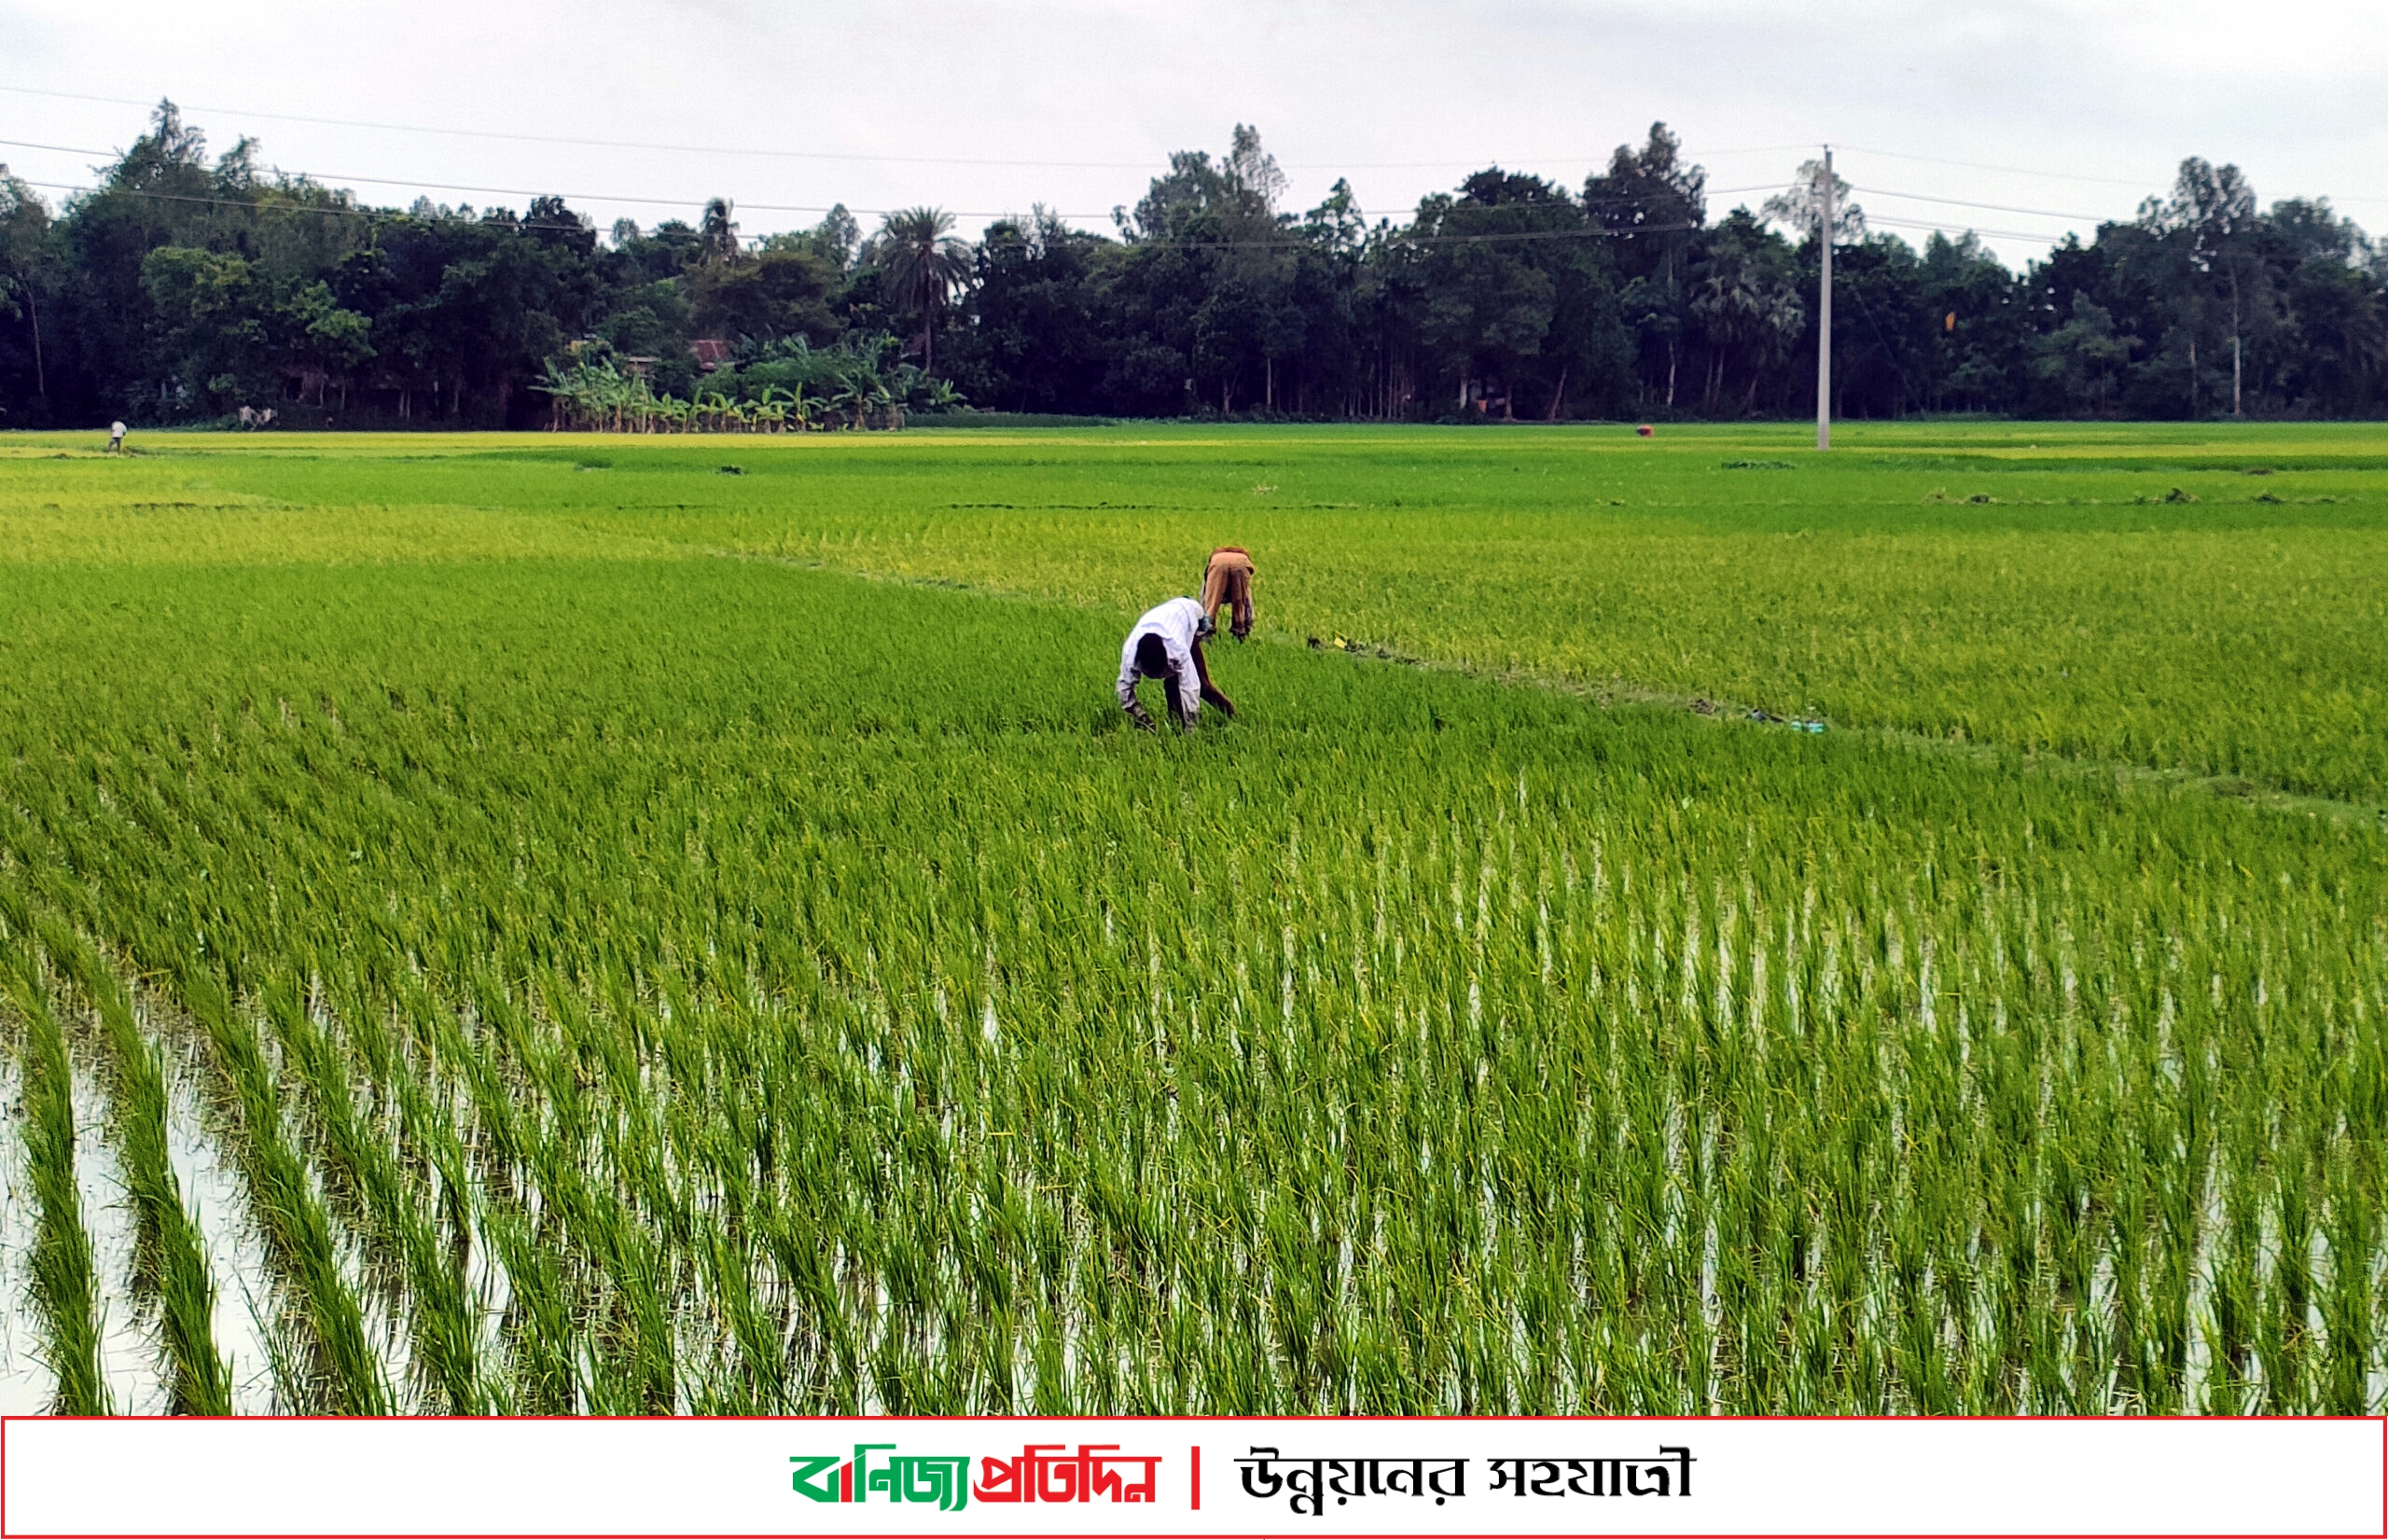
(1645, 430)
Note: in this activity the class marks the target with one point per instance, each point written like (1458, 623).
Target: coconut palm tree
(717, 235)
(1750, 308)
(923, 264)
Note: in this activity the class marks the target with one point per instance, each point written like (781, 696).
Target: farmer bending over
(1227, 581)
(1166, 644)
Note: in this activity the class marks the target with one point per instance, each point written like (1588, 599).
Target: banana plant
(770, 409)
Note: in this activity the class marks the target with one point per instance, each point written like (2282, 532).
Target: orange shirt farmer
(1228, 582)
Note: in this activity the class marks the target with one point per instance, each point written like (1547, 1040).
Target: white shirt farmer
(1173, 620)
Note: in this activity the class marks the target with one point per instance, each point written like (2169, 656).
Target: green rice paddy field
(543, 924)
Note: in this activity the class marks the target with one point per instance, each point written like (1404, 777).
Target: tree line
(184, 287)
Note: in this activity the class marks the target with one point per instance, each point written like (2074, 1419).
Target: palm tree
(924, 265)
(1750, 307)
(717, 235)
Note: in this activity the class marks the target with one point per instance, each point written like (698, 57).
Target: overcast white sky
(985, 108)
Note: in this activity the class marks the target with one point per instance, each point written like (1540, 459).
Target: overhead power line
(769, 152)
(1963, 204)
(2012, 171)
(327, 211)
(1964, 230)
(403, 216)
(335, 178)
(329, 179)
(343, 211)
(759, 151)
(62, 149)
(2056, 175)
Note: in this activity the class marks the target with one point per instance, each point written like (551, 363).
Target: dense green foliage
(701, 981)
(181, 290)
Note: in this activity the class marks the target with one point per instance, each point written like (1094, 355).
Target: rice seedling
(26, 1385)
(170, 1271)
(64, 1280)
(361, 1163)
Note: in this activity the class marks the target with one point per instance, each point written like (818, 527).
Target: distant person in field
(116, 438)
(1226, 583)
(1166, 644)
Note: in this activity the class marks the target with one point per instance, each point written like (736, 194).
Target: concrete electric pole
(1823, 308)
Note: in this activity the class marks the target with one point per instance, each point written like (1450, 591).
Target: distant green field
(543, 923)
(2201, 599)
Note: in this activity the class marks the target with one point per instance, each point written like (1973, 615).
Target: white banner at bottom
(961, 1477)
